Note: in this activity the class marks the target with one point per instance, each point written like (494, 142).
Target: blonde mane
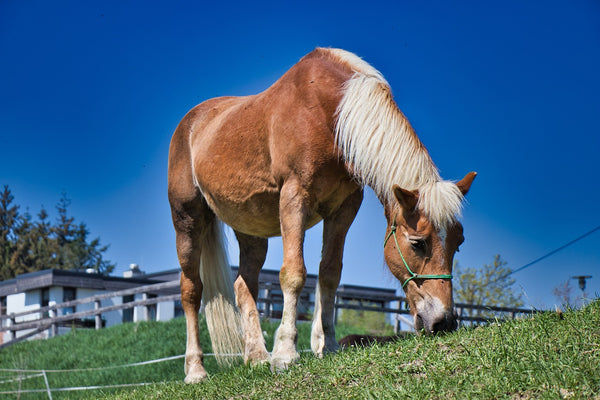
(377, 140)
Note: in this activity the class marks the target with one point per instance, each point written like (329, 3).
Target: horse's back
(240, 151)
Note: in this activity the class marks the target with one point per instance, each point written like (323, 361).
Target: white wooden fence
(49, 317)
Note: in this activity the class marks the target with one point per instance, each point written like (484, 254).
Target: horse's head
(420, 254)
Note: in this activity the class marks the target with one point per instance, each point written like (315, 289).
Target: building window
(44, 301)
(128, 312)
(69, 294)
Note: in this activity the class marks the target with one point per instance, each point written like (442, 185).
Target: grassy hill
(549, 356)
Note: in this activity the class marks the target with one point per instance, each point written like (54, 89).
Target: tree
(35, 249)
(564, 293)
(23, 255)
(27, 245)
(73, 249)
(41, 236)
(65, 237)
(9, 215)
(489, 286)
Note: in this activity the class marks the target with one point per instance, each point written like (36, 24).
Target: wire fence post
(47, 385)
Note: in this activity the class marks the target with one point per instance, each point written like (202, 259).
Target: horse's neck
(378, 141)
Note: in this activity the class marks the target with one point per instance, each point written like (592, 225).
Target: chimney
(134, 271)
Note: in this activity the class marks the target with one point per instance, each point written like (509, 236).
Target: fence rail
(266, 304)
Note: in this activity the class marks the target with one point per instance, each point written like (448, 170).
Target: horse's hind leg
(253, 251)
(188, 225)
(335, 227)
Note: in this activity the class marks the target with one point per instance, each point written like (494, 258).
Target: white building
(29, 292)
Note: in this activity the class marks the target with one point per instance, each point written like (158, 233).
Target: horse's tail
(222, 316)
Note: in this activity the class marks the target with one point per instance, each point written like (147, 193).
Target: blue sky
(90, 93)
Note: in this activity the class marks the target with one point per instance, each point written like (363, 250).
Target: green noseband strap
(412, 274)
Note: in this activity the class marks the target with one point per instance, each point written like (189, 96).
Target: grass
(548, 356)
(115, 346)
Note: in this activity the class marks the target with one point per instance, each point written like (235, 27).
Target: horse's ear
(465, 183)
(407, 199)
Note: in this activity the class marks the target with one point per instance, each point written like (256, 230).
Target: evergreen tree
(64, 235)
(27, 245)
(35, 248)
(44, 248)
(73, 250)
(23, 256)
(489, 286)
(92, 257)
(9, 216)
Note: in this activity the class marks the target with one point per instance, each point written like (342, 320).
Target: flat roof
(78, 279)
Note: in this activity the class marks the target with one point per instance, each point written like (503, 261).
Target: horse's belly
(258, 214)
(255, 214)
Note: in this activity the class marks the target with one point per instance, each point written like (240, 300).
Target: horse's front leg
(335, 228)
(293, 208)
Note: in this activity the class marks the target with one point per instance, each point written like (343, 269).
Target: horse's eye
(418, 244)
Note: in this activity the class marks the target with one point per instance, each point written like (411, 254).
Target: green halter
(412, 274)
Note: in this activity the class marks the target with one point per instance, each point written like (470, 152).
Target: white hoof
(198, 377)
(280, 362)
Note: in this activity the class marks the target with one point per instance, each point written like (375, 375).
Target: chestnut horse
(279, 162)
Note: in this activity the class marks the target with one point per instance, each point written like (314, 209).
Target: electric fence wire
(537, 260)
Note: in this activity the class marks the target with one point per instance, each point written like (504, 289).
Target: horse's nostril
(441, 326)
(446, 324)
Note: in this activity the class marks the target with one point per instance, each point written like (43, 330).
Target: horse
(279, 162)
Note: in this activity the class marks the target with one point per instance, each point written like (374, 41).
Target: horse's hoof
(197, 377)
(282, 362)
(257, 358)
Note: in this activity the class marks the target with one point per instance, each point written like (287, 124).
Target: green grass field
(548, 356)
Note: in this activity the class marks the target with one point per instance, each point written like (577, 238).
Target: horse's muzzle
(436, 322)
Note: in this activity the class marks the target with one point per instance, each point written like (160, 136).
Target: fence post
(335, 310)
(268, 303)
(12, 335)
(146, 308)
(406, 321)
(398, 324)
(98, 317)
(53, 328)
